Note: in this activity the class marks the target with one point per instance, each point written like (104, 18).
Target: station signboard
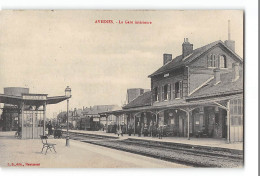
(34, 97)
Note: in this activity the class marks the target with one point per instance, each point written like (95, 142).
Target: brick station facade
(196, 94)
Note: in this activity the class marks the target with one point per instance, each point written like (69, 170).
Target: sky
(46, 50)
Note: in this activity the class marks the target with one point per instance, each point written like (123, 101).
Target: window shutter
(210, 59)
(173, 91)
(217, 62)
(180, 84)
(154, 98)
(169, 91)
(162, 93)
(159, 93)
(214, 60)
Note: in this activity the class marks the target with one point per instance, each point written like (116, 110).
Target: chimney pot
(230, 43)
(187, 48)
(216, 75)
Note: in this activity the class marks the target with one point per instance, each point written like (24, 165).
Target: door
(224, 127)
(32, 124)
(27, 128)
(37, 124)
(181, 126)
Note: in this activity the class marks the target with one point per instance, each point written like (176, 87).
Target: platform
(27, 153)
(208, 142)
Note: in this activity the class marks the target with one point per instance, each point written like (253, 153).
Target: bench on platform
(47, 145)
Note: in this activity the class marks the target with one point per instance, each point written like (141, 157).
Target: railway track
(195, 156)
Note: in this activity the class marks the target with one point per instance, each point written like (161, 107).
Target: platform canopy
(191, 103)
(31, 99)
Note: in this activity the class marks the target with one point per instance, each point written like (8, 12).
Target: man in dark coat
(138, 129)
(49, 126)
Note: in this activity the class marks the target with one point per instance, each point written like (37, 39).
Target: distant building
(88, 118)
(134, 93)
(95, 121)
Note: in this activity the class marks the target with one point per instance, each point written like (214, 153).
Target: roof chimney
(230, 43)
(166, 58)
(235, 71)
(216, 75)
(187, 48)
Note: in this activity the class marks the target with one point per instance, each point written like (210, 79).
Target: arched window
(222, 61)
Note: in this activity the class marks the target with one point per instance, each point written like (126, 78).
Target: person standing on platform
(150, 129)
(138, 128)
(119, 130)
(146, 130)
(49, 126)
(122, 129)
(160, 130)
(129, 130)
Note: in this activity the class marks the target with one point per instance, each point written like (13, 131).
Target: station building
(26, 111)
(196, 94)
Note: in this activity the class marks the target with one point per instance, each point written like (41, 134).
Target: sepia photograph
(122, 89)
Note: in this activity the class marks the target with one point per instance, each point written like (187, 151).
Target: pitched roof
(16, 100)
(180, 61)
(226, 86)
(142, 100)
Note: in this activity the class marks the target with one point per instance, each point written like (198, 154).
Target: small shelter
(30, 108)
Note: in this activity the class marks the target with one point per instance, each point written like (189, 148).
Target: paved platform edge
(192, 145)
(166, 142)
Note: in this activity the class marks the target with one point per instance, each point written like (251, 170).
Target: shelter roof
(142, 100)
(17, 100)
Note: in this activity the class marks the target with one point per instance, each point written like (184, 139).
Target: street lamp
(68, 95)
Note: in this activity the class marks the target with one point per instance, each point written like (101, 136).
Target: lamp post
(68, 95)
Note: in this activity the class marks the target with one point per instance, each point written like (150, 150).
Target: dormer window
(222, 61)
(212, 60)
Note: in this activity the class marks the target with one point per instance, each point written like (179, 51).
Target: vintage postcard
(121, 88)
